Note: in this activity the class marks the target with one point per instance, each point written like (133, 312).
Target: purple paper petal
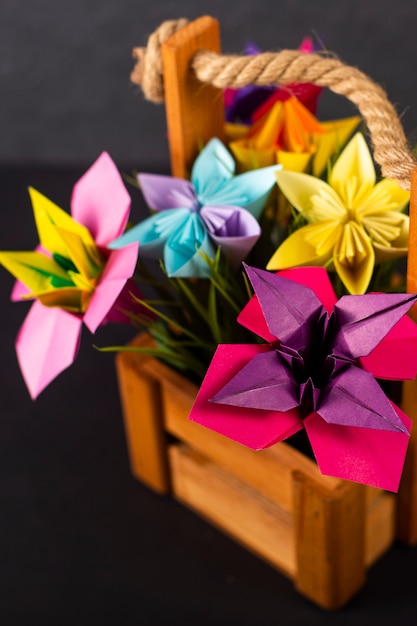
(233, 229)
(264, 383)
(365, 320)
(167, 192)
(356, 399)
(290, 309)
(254, 428)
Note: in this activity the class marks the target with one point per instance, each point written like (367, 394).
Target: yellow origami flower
(289, 134)
(353, 222)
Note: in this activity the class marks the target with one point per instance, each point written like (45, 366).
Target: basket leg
(140, 396)
(194, 111)
(406, 501)
(330, 540)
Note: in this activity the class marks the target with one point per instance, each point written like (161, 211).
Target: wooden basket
(320, 531)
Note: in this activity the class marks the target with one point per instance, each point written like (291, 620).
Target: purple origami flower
(316, 372)
(73, 276)
(192, 219)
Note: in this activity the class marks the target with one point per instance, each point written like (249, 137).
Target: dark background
(81, 542)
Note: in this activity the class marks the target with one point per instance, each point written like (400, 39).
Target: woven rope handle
(389, 143)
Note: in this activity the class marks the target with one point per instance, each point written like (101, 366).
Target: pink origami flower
(316, 372)
(73, 276)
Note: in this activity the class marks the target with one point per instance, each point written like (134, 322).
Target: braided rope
(390, 146)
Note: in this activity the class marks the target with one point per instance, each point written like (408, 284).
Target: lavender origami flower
(312, 374)
(198, 216)
(73, 276)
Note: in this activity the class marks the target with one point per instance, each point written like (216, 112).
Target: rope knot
(148, 72)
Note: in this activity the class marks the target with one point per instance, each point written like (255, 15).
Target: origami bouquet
(269, 278)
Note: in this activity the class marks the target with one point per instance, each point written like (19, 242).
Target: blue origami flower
(192, 219)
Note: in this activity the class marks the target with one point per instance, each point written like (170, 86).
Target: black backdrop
(80, 541)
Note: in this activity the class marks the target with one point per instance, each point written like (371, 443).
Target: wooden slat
(235, 508)
(140, 397)
(330, 541)
(269, 471)
(380, 527)
(194, 112)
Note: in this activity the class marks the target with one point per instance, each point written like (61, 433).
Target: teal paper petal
(153, 232)
(212, 168)
(182, 252)
(249, 190)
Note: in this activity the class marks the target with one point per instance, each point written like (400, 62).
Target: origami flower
(311, 375)
(241, 105)
(197, 217)
(72, 276)
(353, 222)
(288, 133)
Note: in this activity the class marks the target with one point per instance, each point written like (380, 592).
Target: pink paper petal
(46, 345)
(100, 201)
(371, 457)
(19, 291)
(254, 428)
(251, 317)
(119, 267)
(395, 358)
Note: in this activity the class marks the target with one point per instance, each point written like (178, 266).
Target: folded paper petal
(364, 321)
(213, 167)
(254, 428)
(153, 232)
(354, 258)
(355, 164)
(47, 344)
(372, 457)
(356, 399)
(316, 278)
(395, 358)
(289, 308)
(296, 249)
(167, 192)
(100, 201)
(185, 250)
(119, 267)
(233, 229)
(264, 383)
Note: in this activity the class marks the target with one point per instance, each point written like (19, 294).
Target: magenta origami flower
(317, 372)
(73, 276)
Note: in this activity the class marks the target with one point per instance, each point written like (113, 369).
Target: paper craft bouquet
(274, 276)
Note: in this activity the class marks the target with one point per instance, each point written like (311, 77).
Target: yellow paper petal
(310, 195)
(264, 134)
(296, 250)
(398, 247)
(334, 136)
(353, 174)
(33, 269)
(66, 298)
(294, 161)
(248, 159)
(234, 132)
(387, 195)
(85, 257)
(354, 258)
(48, 216)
